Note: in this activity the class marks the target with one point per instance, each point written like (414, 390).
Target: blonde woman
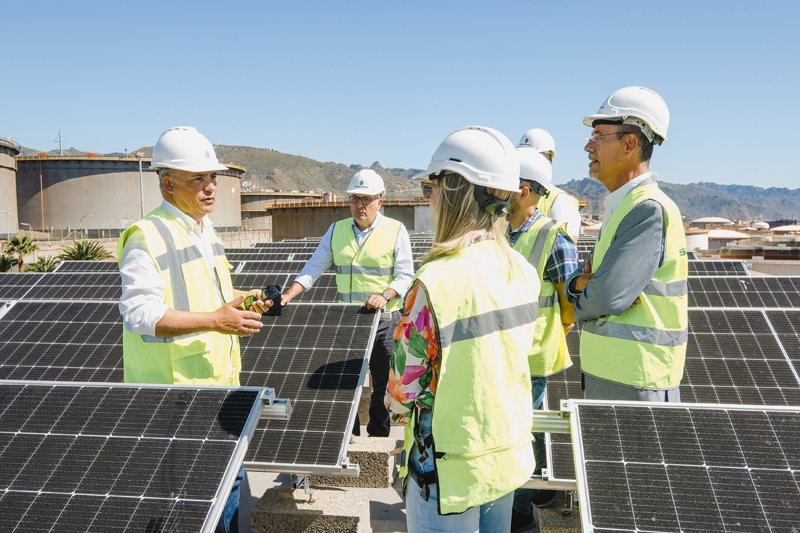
(459, 375)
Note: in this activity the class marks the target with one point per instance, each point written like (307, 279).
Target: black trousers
(378, 425)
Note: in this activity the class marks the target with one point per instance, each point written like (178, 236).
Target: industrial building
(256, 217)
(8, 185)
(101, 196)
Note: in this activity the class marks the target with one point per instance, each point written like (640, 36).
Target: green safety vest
(362, 272)
(644, 346)
(545, 203)
(549, 353)
(482, 413)
(206, 358)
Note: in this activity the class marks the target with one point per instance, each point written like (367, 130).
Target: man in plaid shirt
(530, 233)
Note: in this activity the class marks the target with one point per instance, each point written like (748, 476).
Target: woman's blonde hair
(457, 216)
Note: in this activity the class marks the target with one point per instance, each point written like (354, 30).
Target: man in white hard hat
(558, 205)
(374, 266)
(546, 245)
(182, 316)
(632, 292)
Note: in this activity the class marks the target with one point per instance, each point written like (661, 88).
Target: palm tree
(84, 251)
(6, 262)
(21, 246)
(43, 264)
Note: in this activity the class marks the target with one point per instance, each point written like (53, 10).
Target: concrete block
(552, 521)
(372, 454)
(333, 511)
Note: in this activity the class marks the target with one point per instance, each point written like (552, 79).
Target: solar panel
(87, 266)
(15, 285)
(77, 286)
(88, 457)
(236, 256)
(324, 289)
(717, 268)
(671, 467)
(745, 292)
(734, 356)
(315, 354)
(294, 267)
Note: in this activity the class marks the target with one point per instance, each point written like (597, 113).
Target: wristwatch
(387, 295)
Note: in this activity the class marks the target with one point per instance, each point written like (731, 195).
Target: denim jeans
(229, 521)
(522, 497)
(424, 515)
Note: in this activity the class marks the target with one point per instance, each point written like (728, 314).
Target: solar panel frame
(222, 491)
(724, 463)
(86, 266)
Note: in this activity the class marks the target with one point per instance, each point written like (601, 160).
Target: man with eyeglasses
(632, 292)
(374, 266)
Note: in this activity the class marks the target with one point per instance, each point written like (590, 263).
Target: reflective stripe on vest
(644, 346)
(367, 270)
(549, 353)
(205, 358)
(482, 406)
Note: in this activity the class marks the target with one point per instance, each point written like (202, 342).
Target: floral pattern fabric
(414, 366)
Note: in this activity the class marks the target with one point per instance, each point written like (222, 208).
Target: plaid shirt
(563, 260)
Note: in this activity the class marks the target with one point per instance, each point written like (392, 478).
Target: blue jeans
(229, 521)
(522, 497)
(424, 515)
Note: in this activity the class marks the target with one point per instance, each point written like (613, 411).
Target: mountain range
(269, 169)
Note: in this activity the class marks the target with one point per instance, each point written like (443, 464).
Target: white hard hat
(184, 148)
(366, 182)
(533, 166)
(484, 156)
(638, 106)
(539, 140)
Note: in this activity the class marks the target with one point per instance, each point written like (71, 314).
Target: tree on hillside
(43, 264)
(6, 262)
(84, 251)
(21, 246)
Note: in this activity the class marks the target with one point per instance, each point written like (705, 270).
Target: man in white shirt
(374, 266)
(180, 311)
(559, 205)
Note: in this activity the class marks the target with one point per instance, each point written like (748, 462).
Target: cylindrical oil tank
(8, 186)
(61, 192)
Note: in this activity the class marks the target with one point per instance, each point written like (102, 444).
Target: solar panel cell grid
(668, 469)
(87, 266)
(15, 285)
(324, 289)
(65, 467)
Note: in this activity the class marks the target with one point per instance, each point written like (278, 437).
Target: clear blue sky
(355, 82)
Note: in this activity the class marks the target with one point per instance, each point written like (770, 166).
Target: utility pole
(60, 141)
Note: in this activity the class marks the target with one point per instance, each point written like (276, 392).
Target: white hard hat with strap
(638, 106)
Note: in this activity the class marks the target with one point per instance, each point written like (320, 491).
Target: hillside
(695, 200)
(268, 169)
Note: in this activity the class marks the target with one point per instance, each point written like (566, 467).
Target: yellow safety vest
(482, 413)
(369, 269)
(546, 203)
(644, 346)
(549, 353)
(207, 358)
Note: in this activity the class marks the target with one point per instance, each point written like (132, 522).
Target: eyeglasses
(595, 138)
(427, 191)
(365, 200)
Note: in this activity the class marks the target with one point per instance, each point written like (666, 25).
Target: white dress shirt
(613, 199)
(142, 301)
(564, 210)
(322, 259)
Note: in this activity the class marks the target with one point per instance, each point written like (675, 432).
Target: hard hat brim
(192, 168)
